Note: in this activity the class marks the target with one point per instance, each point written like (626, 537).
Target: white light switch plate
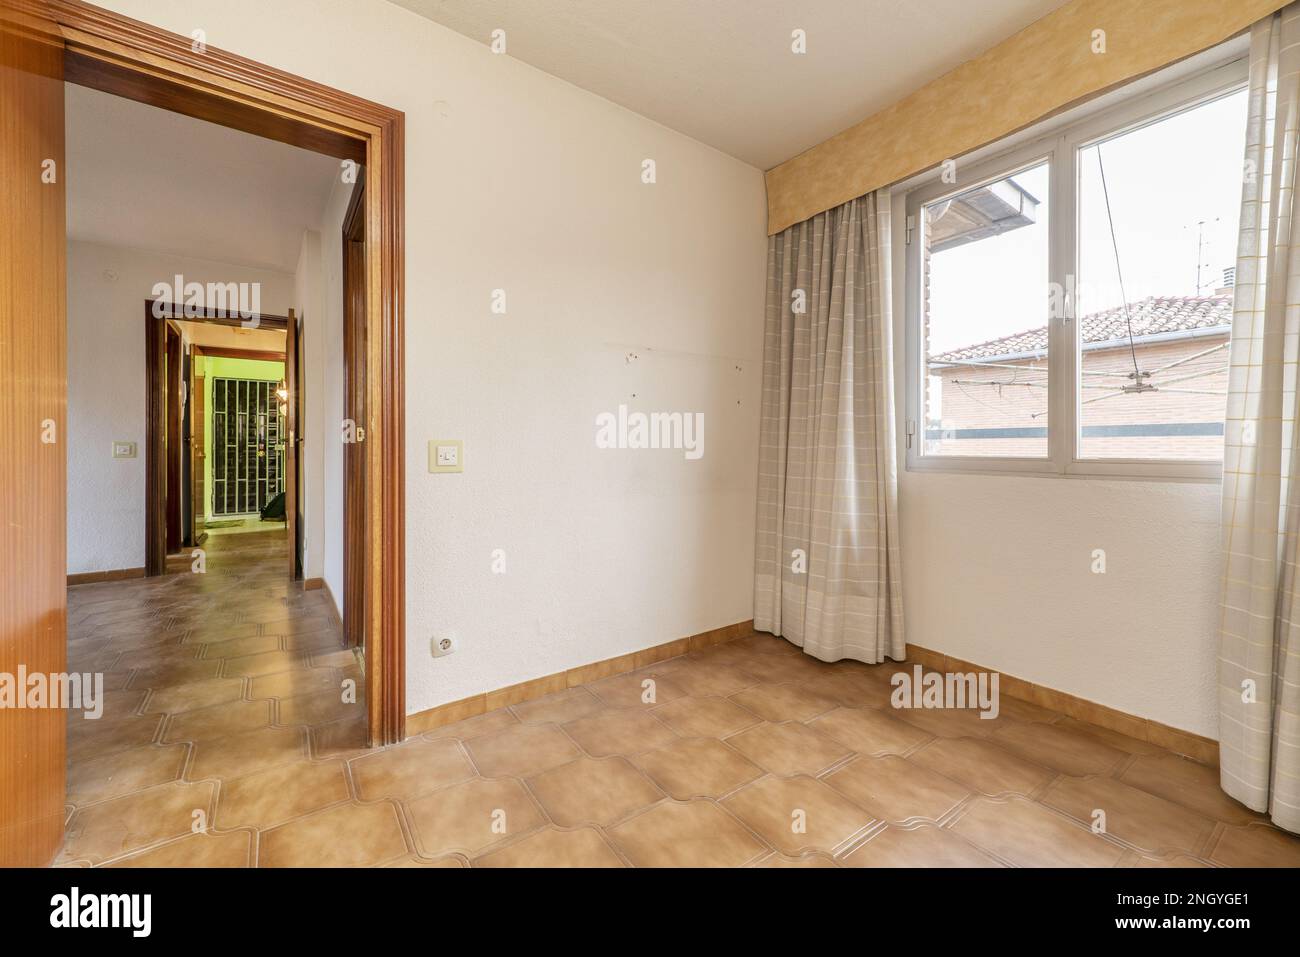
(123, 450)
(446, 455)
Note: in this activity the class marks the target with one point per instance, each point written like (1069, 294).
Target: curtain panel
(827, 564)
(1259, 646)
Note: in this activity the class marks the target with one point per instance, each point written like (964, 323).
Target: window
(1070, 301)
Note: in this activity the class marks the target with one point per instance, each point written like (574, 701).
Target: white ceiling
(147, 178)
(722, 72)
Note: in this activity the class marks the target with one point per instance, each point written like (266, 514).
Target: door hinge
(911, 225)
(911, 431)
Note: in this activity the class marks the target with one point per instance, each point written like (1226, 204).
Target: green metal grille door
(247, 449)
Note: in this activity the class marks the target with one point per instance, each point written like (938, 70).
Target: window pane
(1154, 347)
(985, 319)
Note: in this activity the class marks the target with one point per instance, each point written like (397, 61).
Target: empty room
(606, 434)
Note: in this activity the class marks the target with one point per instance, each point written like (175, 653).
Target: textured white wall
(107, 288)
(997, 571)
(520, 181)
(331, 339)
(309, 295)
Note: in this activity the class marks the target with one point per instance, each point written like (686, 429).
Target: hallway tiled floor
(225, 742)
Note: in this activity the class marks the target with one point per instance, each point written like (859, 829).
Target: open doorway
(224, 421)
(40, 47)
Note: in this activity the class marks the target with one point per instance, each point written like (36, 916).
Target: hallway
(224, 742)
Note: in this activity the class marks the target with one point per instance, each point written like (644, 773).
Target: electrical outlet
(443, 646)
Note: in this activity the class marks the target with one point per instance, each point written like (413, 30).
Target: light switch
(446, 455)
(123, 450)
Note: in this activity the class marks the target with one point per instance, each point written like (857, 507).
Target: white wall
(997, 571)
(517, 180)
(331, 339)
(309, 295)
(107, 289)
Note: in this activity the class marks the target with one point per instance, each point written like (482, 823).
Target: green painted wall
(217, 367)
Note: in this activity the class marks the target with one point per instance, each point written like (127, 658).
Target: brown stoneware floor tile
(240, 754)
(798, 814)
(706, 678)
(567, 705)
(521, 751)
(1256, 845)
(583, 847)
(340, 739)
(321, 707)
(696, 834)
(410, 769)
(1060, 748)
(1132, 815)
(350, 835)
(230, 849)
(985, 767)
(697, 767)
(498, 719)
(218, 721)
(788, 748)
(194, 695)
(922, 846)
(705, 717)
(270, 797)
(472, 816)
(619, 731)
(88, 740)
(1029, 835)
(784, 702)
(868, 731)
(1185, 782)
(267, 663)
(113, 775)
(102, 831)
(591, 791)
(896, 789)
(293, 684)
(638, 689)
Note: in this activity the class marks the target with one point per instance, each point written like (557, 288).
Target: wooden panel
(354, 400)
(33, 401)
(99, 74)
(1047, 67)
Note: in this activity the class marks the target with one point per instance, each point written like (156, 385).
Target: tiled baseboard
(113, 575)
(1195, 746)
(525, 691)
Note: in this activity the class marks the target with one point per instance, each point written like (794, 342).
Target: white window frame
(1060, 149)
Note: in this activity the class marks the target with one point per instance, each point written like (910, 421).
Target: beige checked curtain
(827, 566)
(1259, 644)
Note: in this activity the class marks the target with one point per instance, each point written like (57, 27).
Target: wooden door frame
(354, 478)
(115, 54)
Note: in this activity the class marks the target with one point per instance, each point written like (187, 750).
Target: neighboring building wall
(1196, 404)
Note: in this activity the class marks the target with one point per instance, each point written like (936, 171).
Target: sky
(1164, 179)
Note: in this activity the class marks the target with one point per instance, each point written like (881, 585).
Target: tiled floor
(225, 742)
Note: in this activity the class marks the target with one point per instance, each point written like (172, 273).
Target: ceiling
(722, 71)
(150, 179)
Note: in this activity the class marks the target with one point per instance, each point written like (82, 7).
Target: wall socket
(443, 646)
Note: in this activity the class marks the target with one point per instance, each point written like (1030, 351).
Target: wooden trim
(1047, 67)
(112, 575)
(105, 49)
(218, 317)
(1195, 746)
(313, 584)
(175, 360)
(478, 704)
(221, 352)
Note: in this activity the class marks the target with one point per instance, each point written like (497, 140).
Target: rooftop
(1155, 315)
